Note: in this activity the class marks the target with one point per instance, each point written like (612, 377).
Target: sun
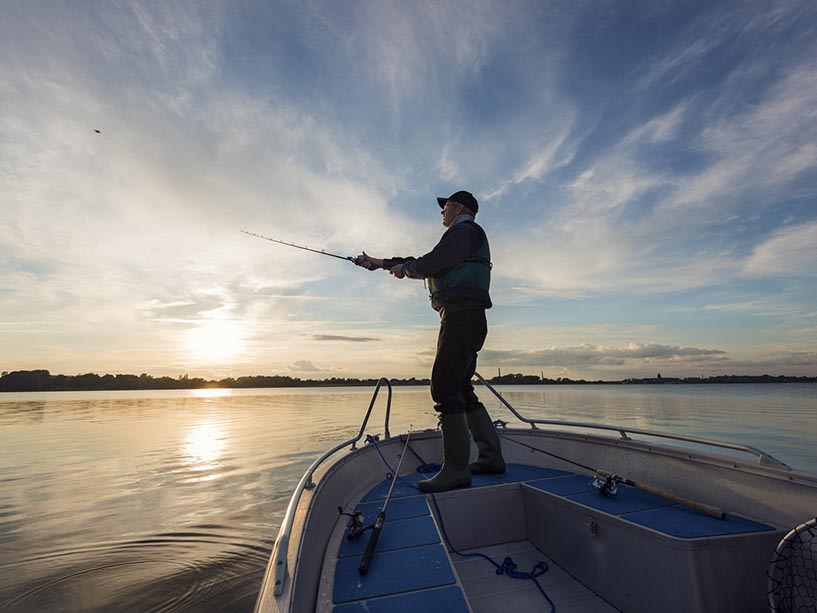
(215, 340)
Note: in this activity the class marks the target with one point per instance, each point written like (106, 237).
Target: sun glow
(216, 340)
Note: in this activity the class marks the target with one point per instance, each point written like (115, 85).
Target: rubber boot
(456, 449)
(490, 460)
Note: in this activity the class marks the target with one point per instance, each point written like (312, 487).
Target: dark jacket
(460, 242)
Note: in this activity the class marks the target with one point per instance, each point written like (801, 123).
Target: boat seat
(639, 507)
(646, 553)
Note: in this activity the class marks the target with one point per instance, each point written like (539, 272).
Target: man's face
(450, 212)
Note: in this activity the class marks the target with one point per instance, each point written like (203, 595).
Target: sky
(646, 172)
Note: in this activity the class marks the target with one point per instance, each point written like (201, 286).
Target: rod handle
(369, 553)
(692, 504)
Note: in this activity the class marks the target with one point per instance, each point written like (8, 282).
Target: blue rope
(508, 566)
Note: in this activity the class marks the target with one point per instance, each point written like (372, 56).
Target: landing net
(793, 571)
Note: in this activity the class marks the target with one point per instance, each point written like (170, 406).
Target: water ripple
(196, 570)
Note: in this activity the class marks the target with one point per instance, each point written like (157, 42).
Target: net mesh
(793, 571)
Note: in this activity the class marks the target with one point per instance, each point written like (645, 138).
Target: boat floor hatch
(634, 552)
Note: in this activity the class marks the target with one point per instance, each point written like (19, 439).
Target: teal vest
(473, 272)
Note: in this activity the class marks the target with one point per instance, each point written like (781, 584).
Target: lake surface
(171, 500)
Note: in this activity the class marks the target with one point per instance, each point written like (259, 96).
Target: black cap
(466, 199)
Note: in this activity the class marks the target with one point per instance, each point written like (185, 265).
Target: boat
(587, 518)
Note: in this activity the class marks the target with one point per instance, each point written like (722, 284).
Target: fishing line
(318, 251)
(532, 448)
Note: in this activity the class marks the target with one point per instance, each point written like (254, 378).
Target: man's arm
(369, 263)
(457, 243)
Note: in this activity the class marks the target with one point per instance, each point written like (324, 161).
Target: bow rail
(763, 458)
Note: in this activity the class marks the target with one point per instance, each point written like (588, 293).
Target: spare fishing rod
(320, 251)
(607, 483)
(381, 517)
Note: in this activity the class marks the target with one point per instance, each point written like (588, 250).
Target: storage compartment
(639, 552)
(639, 568)
(480, 517)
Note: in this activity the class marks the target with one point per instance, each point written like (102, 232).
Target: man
(458, 272)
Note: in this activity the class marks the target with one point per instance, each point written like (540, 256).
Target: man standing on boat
(458, 273)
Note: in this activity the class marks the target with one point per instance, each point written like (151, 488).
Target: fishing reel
(356, 527)
(605, 485)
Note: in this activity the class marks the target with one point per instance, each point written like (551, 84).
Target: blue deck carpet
(392, 572)
(684, 522)
(515, 473)
(400, 508)
(565, 486)
(446, 599)
(628, 500)
(396, 534)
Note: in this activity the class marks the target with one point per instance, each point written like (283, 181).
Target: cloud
(555, 154)
(802, 362)
(794, 358)
(303, 366)
(756, 151)
(789, 251)
(338, 337)
(587, 355)
(411, 51)
(615, 222)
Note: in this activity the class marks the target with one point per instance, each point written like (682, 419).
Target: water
(170, 500)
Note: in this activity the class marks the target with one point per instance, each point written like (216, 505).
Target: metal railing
(279, 551)
(762, 457)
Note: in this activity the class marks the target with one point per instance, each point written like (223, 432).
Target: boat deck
(417, 566)
(488, 592)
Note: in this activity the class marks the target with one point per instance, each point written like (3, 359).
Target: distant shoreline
(44, 381)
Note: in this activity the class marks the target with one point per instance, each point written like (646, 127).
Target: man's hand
(368, 262)
(397, 271)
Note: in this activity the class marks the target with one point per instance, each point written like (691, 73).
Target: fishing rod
(607, 484)
(320, 251)
(378, 524)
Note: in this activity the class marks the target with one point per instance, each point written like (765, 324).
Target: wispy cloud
(789, 251)
(340, 337)
(555, 154)
(587, 354)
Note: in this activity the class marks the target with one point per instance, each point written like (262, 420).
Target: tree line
(44, 381)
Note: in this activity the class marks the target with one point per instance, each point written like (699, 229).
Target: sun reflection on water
(211, 392)
(204, 445)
